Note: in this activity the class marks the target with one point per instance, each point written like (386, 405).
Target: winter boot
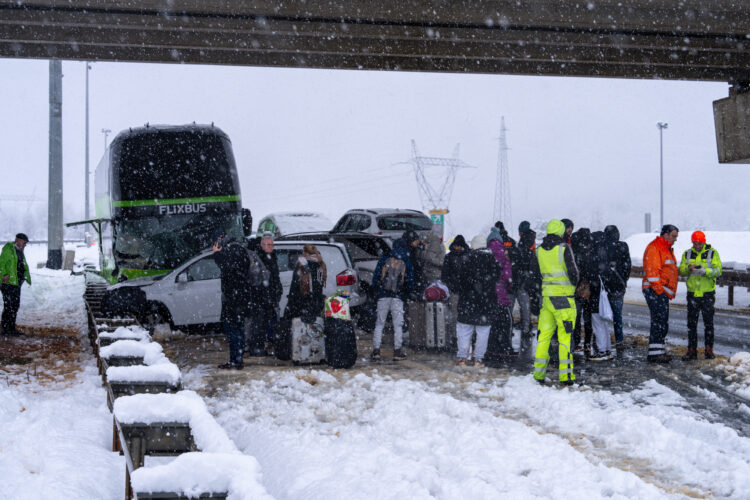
(375, 356)
(691, 354)
(399, 354)
(710, 352)
(461, 362)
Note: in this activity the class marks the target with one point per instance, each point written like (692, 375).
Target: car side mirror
(182, 278)
(247, 222)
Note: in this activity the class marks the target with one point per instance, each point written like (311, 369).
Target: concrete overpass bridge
(654, 39)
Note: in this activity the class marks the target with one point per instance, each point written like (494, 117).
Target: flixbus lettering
(189, 208)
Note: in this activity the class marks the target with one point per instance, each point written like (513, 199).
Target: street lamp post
(106, 132)
(86, 195)
(661, 126)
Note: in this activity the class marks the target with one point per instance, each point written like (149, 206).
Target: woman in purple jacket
(502, 324)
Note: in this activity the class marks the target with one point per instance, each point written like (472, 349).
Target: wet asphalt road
(732, 330)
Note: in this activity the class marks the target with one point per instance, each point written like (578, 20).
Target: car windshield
(167, 242)
(403, 222)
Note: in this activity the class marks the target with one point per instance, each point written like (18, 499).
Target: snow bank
(151, 352)
(194, 473)
(133, 332)
(56, 441)
(166, 372)
(372, 437)
(733, 246)
(55, 298)
(738, 373)
(185, 407)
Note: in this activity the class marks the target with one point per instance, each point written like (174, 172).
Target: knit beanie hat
(555, 227)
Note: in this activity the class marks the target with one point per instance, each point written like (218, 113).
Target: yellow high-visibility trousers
(557, 314)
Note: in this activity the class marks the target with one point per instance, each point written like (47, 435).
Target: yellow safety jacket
(555, 279)
(708, 259)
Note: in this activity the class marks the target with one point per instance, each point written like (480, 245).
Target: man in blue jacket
(13, 272)
(392, 281)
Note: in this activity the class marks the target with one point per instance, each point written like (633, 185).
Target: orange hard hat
(698, 237)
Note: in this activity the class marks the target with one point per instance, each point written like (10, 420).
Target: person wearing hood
(477, 301)
(553, 265)
(588, 289)
(523, 285)
(614, 270)
(660, 275)
(427, 255)
(502, 323)
(569, 226)
(392, 282)
(451, 271)
(233, 262)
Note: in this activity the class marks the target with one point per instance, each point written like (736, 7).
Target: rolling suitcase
(432, 325)
(340, 343)
(308, 342)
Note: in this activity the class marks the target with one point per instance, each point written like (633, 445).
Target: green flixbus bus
(161, 192)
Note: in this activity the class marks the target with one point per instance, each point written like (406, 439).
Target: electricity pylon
(501, 211)
(436, 198)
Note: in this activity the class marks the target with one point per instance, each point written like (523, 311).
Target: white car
(283, 223)
(386, 222)
(190, 295)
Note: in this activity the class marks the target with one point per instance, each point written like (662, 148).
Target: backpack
(258, 273)
(392, 275)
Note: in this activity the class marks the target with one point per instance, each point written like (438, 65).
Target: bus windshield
(167, 242)
(174, 164)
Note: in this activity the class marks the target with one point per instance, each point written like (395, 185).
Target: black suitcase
(341, 343)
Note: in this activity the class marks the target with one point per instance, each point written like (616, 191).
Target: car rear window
(332, 255)
(403, 222)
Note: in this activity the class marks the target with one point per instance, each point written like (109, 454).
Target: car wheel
(154, 317)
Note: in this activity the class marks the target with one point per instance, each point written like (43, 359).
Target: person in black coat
(306, 299)
(264, 313)
(477, 300)
(614, 269)
(451, 271)
(233, 262)
(587, 289)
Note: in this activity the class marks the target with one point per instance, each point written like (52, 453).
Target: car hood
(139, 282)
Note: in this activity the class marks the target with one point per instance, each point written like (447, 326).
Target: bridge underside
(667, 39)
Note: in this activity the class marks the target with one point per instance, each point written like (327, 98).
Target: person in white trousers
(476, 300)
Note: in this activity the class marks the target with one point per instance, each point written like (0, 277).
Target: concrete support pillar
(55, 194)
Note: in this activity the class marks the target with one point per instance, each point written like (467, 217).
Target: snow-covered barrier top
(194, 473)
(166, 372)
(183, 407)
(151, 352)
(733, 246)
(133, 332)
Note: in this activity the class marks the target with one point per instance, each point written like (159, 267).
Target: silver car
(388, 223)
(190, 295)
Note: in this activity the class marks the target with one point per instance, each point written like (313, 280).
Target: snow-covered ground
(367, 434)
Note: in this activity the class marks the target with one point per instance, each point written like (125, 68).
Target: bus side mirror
(247, 222)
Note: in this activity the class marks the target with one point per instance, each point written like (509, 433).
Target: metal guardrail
(729, 278)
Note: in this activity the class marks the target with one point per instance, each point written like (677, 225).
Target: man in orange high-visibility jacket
(660, 274)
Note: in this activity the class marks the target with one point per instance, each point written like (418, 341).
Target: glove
(700, 271)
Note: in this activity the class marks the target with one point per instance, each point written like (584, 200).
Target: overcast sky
(327, 141)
